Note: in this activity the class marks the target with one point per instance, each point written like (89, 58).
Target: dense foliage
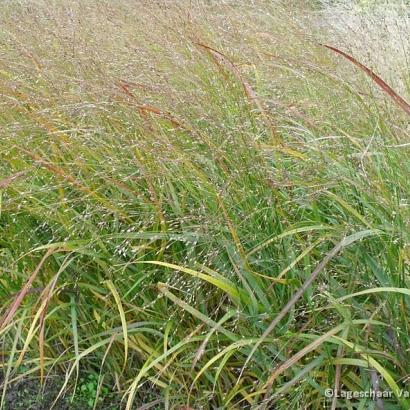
(173, 174)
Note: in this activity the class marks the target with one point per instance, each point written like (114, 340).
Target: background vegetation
(201, 205)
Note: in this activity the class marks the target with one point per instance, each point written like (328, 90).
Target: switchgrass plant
(202, 205)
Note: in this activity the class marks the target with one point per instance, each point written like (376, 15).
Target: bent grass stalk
(169, 207)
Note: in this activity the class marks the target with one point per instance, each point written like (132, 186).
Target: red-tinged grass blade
(5, 182)
(125, 87)
(60, 173)
(403, 104)
(222, 59)
(46, 297)
(157, 111)
(346, 241)
(40, 308)
(143, 108)
(330, 336)
(300, 374)
(41, 340)
(9, 314)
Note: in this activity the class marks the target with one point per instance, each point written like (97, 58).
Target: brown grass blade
(157, 111)
(9, 314)
(294, 299)
(403, 104)
(126, 88)
(60, 172)
(222, 59)
(295, 358)
(41, 341)
(5, 182)
(346, 241)
(143, 108)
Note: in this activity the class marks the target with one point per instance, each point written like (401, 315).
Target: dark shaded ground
(28, 394)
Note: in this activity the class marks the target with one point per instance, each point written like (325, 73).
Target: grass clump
(201, 205)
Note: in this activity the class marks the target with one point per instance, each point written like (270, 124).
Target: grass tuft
(201, 207)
